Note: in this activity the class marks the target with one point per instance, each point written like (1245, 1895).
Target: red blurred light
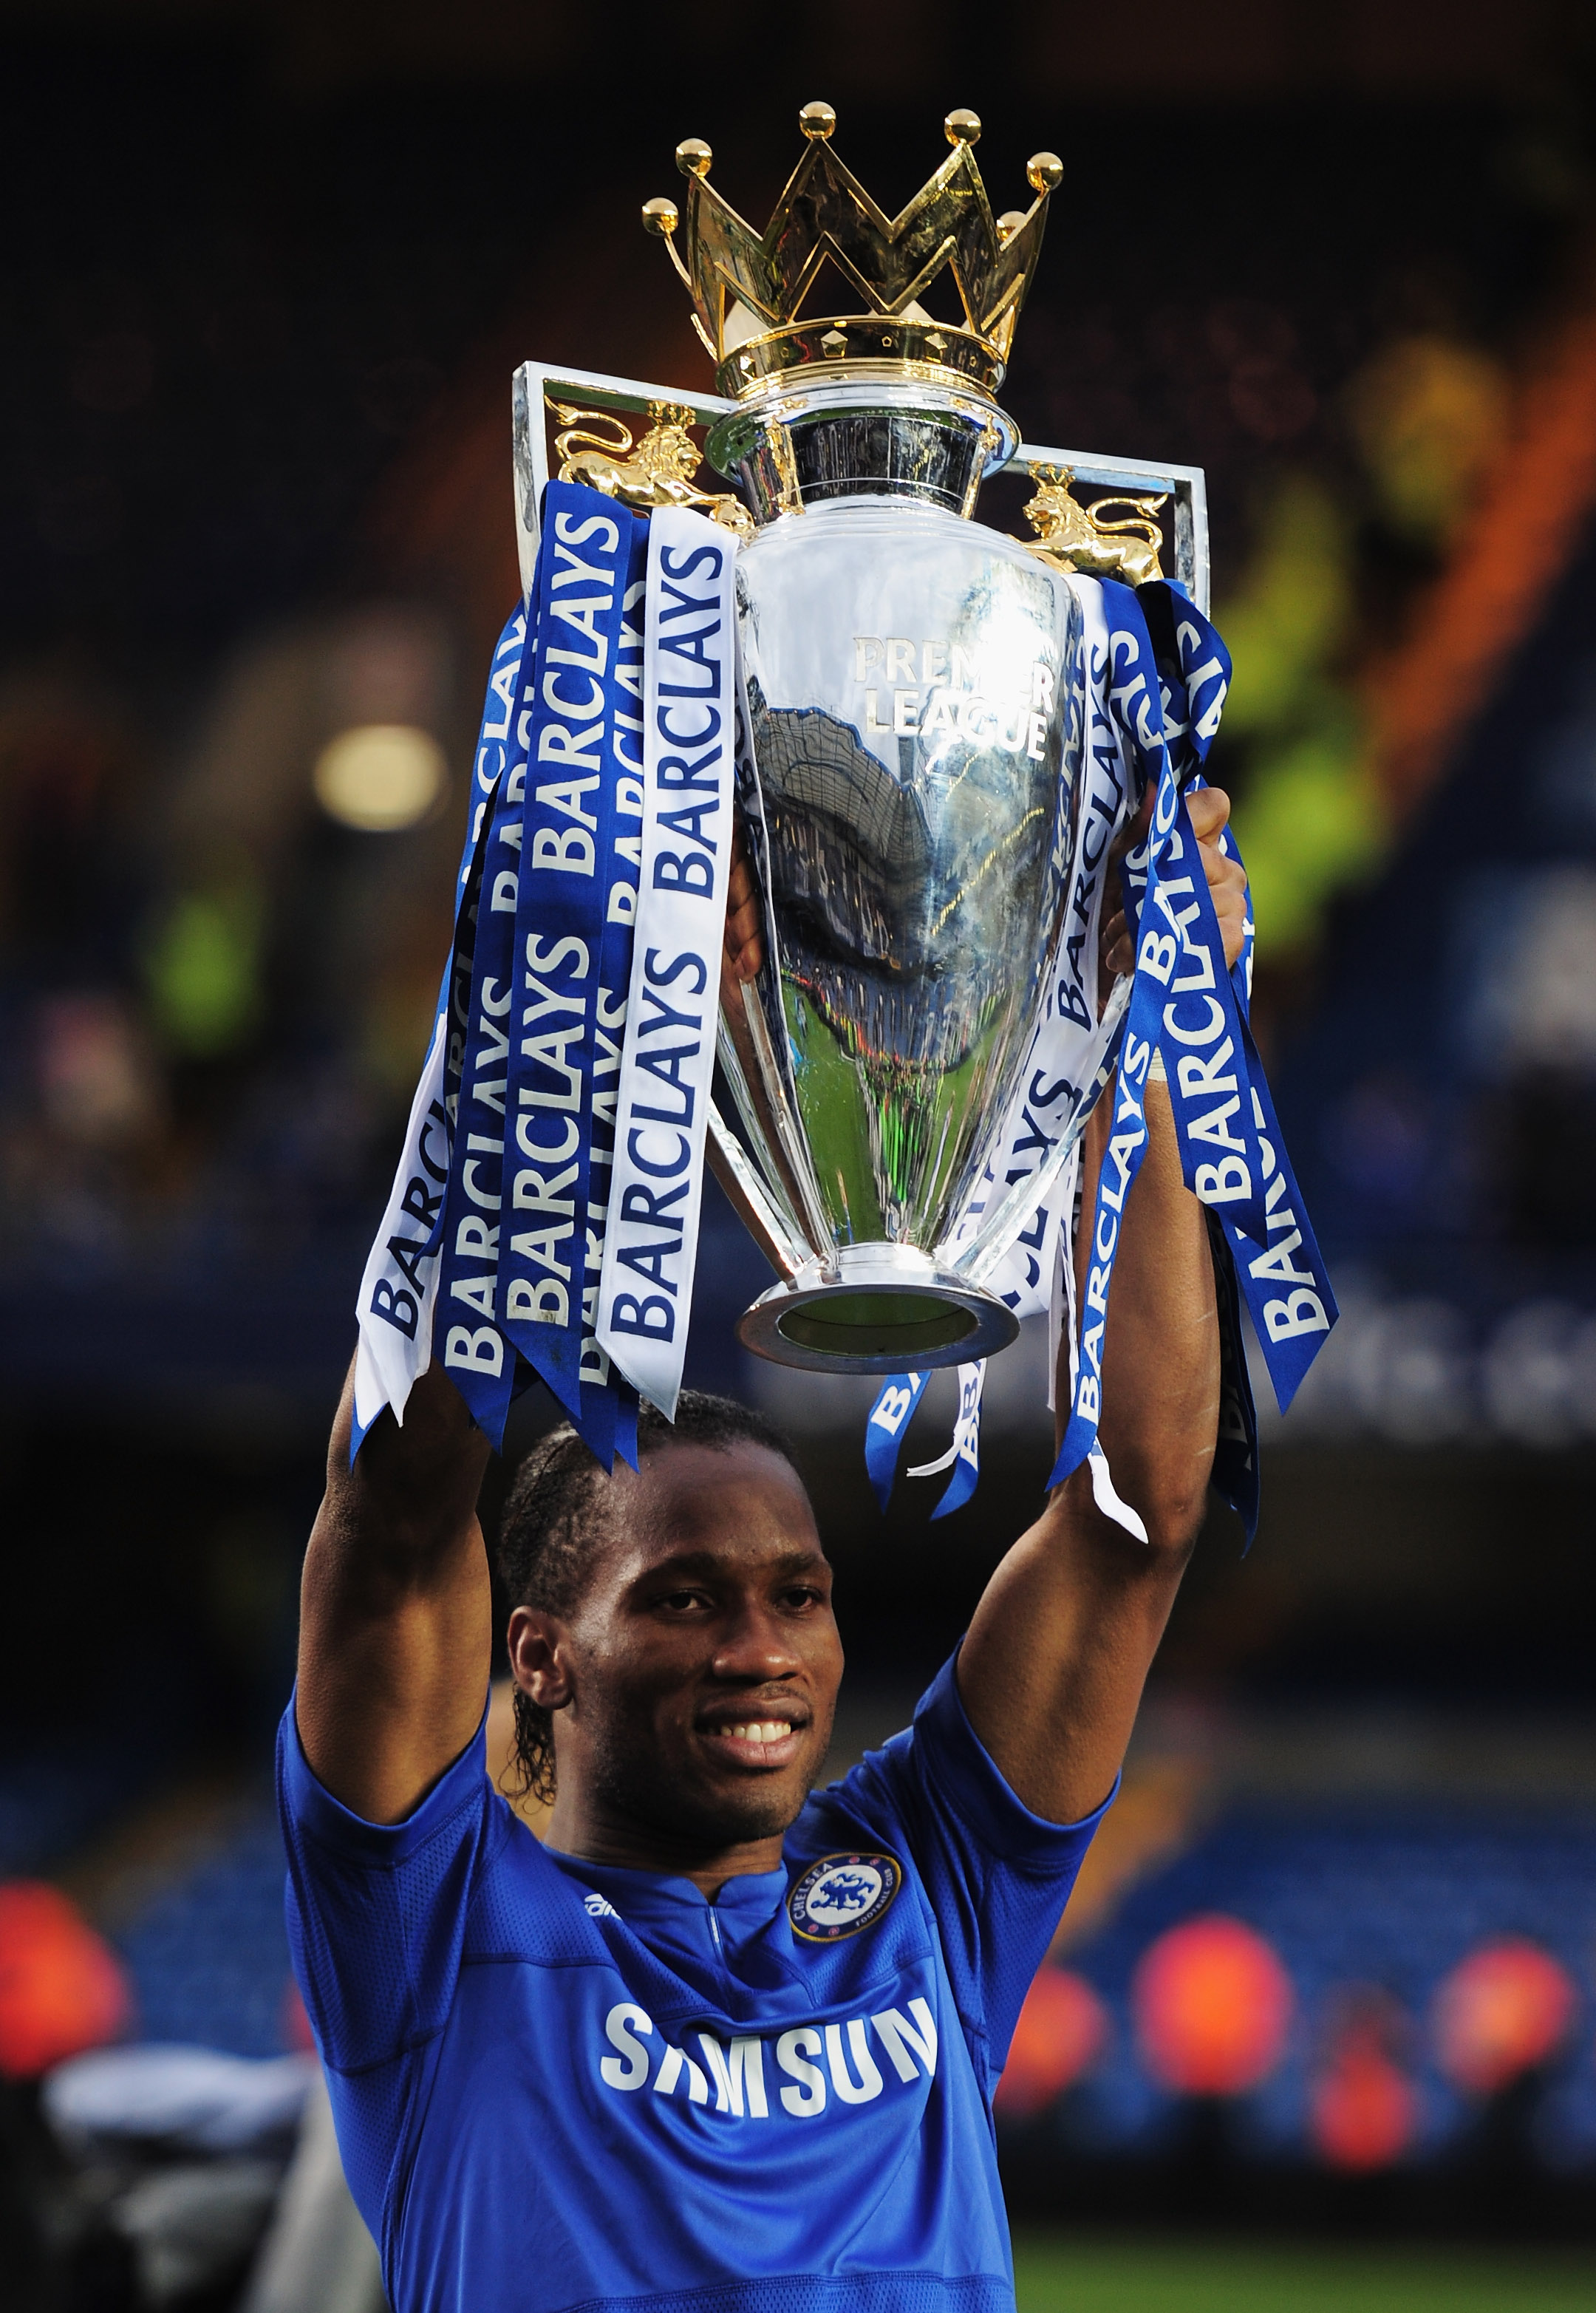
(62, 1988)
(1501, 2011)
(1061, 2028)
(1365, 2113)
(1211, 2005)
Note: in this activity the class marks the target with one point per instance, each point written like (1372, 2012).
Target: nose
(755, 1646)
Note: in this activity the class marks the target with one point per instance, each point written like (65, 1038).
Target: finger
(1209, 808)
(1229, 909)
(1223, 875)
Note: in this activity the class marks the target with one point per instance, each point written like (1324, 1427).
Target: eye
(803, 1595)
(681, 1601)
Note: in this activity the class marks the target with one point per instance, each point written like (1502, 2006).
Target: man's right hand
(395, 1630)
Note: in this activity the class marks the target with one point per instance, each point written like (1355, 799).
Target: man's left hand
(1209, 809)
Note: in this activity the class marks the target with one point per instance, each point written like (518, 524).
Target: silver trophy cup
(905, 787)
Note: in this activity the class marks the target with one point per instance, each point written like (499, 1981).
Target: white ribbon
(646, 1285)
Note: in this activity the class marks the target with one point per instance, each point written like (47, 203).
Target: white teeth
(763, 1731)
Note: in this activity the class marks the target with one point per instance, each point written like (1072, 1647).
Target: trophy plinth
(876, 1308)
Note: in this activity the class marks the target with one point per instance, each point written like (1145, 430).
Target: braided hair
(556, 1512)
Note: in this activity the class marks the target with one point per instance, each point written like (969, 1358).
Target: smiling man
(717, 2045)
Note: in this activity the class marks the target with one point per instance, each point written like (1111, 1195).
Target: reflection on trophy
(913, 730)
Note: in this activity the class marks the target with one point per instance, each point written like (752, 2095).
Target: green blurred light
(202, 970)
(1310, 823)
(1292, 612)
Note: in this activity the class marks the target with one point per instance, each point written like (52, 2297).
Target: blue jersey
(562, 2085)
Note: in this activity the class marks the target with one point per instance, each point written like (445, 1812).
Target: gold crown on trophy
(747, 287)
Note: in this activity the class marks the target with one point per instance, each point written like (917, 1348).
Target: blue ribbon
(1184, 1000)
(886, 1428)
(576, 901)
(416, 1223)
(475, 1353)
(608, 1416)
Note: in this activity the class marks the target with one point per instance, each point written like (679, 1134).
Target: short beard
(633, 1783)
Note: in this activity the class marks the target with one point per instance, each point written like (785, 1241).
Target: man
(715, 2043)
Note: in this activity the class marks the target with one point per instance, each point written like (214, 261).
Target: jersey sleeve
(997, 1877)
(377, 1910)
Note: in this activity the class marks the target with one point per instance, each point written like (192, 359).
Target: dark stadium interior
(267, 270)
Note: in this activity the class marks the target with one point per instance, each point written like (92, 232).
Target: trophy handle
(748, 1201)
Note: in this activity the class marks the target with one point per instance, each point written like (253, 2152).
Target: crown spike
(1044, 172)
(748, 286)
(660, 216)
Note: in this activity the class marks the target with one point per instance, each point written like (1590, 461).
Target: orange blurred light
(1501, 2011)
(1211, 2005)
(62, 1988)
(1365, 2113)
(1062, 2027)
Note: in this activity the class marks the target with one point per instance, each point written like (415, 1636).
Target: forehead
(740, 1502)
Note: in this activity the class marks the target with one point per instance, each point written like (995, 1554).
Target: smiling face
(694, 1679)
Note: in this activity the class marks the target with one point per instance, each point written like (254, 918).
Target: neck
(598, 1835)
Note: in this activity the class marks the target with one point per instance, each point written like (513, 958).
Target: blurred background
(1331, 1978)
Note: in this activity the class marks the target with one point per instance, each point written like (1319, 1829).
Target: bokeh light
(1427, 414)
(1212, 2005)
(1364, 2109)
(1502, 2012)
(62, 1988)
(1063, 2028)
(380, 777)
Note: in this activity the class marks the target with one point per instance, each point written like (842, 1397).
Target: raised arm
(1053, 1667)
(395, 1619)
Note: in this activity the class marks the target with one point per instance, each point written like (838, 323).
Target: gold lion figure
(1074, 537)
(658, 470)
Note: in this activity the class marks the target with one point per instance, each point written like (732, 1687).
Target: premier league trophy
(909, 679)
(923, 735)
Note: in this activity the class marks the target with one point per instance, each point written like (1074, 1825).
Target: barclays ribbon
(668, 1060)
(963, 1457)
(1074, 1040)
(1185, 1000)
(608, 1417)
(476, 1355)
(564, 1018)
(1178, 958)
(398, 1287)
(1192, 658)
(1283, 1282)
(885, 1426)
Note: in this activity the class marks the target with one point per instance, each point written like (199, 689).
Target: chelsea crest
(841, 1895)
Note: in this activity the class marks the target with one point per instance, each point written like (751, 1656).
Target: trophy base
(876, 1309)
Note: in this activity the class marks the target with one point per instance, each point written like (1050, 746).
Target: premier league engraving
(920, 736)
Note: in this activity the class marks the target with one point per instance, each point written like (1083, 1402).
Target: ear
(539, 1658)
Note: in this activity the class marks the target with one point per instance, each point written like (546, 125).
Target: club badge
(842, 1894)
